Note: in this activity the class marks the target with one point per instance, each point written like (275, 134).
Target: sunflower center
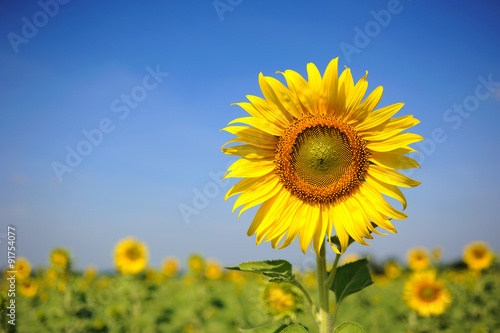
(479, 253)
(429, 293)
(320, 158)
(133, 253)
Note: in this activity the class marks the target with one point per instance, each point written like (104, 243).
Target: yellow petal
(298, 85)
(393, 160)
(260, 215)
(397, 141)
(262, 111)
(251, 136)
(387, 189)
(271, 97)
(285, 97)
(377, 117)
(250, 168)
(373, 197)
(309, 226)
(259, 123)
(392, 177)
(249, 151)
(314, 78)
(329, 89)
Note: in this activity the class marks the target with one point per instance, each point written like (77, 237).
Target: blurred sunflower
(478, 256)
(426, 295)
(171, 266)
(196, 264)
(418, 258)
(281, 300)
(90, 272)
(131, 256)
(392, 269)
(28, 287)
(60, 259)
(213, 269)
(22, 268)
(317, 157)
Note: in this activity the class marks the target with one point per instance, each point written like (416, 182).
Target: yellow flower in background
(235, 277)
(171, 266)
(131, 256)
(349, 257)
(213, 269)
(426, 294)
(51, 277)
(392, 269)
(437, 254)
(90, 272)
(318, 157)
(28, 287)
(478, 256)
(196, 264)
(418, 258)
(60, 259)
(22, 267)
(281, 300)
(154, 276)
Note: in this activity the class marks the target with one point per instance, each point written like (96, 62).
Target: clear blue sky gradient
(74, 74)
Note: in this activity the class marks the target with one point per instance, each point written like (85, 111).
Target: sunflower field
(419, 295)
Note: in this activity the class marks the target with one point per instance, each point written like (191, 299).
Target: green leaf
(294, 328)
(350, 279)
(349, 327)
(271, 270)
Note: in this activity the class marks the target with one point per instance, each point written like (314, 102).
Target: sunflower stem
(331, 275)
(324, 312)
(309, 300)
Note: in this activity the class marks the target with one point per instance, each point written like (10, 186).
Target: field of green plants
(205, 297)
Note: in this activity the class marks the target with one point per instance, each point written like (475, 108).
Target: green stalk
(324, 311)
(308, 297)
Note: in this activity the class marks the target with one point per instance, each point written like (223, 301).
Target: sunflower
(22, 267)
(196, 264)
(317, 157)
(213, 269)
(171, 266)
(131, 256)
(60, 259)
(281, 300)
(478, 256)
(392, 269)
(418, 258)
(426, 294)
(28, 288)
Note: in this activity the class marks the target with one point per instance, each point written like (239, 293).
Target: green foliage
(349, 327)
(271, 270)
(350, 279)
(276, 328)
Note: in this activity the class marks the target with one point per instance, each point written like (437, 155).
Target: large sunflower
(317, 157)
(426, 294)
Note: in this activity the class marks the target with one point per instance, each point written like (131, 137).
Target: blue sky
(156, 80)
